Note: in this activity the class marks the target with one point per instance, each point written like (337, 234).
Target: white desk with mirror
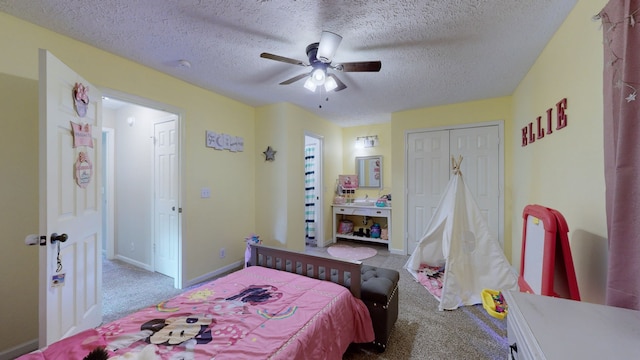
(363, 213)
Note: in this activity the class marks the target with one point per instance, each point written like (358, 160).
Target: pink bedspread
(255, 313)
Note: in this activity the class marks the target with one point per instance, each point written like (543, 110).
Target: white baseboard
(19, 350)
(326, 243)
(208, 276)
(134, 262)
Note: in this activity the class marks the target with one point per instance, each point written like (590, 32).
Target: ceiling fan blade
(294, 79)
(360, 66)
(282, 59)
(341, 85)
(328, 45)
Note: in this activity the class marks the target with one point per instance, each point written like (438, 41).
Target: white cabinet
(357, 214)
(544, 327)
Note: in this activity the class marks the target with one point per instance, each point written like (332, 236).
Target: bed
(280, 307)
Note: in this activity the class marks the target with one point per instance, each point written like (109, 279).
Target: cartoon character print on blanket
(185, 331)
(238, 305)
(257, 294)
(176, 330)
(216, 321)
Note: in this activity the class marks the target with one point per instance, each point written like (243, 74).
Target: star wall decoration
(269, 154)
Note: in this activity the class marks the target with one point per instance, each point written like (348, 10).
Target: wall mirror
(369, 171)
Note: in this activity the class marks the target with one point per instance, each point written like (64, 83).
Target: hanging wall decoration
(81, 135)
(80, 99)
(83, 170)
(269, 154)
(224, 141)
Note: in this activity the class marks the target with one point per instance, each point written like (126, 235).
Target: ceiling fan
(320, 56)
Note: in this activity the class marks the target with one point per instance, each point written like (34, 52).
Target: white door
(428, 165)
(429, 169)
(166, 199)
(480, 149)
(74, 303)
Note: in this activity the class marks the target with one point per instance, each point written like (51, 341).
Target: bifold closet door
(429, 169)
(480, 150)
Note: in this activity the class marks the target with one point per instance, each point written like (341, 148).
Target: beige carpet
(127, 288)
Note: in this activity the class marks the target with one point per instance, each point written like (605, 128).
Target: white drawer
(363, 211)
(371, 212)
(344, 210)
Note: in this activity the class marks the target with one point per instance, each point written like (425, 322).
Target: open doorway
(314, 234)
(141, 185)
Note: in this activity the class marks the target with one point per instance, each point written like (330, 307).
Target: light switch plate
(205, 193)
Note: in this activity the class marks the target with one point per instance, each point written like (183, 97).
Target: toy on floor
(494, 303)
(500, 304)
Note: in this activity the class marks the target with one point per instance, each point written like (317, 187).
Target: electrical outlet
(223, 252)
(205, 193)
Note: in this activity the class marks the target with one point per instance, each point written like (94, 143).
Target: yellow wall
(19, 199)
(350, 152)
(280, 183)
(448, 115)
(565, 170)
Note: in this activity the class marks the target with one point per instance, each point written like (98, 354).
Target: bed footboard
(342, 272)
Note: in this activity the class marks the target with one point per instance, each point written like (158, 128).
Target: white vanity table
(544, 327)
(357, 213)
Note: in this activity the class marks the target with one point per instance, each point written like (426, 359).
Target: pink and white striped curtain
(622, 149)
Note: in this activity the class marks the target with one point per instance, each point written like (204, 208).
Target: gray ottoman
(380, 293)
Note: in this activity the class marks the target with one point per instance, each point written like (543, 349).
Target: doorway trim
(500, 125)
(108, 208)
(137, 100)
(320, 240)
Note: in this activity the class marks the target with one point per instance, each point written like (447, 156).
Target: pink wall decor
(81, 99)
(81, 135)
(83, 170)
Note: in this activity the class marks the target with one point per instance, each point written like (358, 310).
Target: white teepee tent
(458, 237)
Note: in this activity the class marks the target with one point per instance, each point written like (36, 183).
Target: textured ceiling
(433, 52)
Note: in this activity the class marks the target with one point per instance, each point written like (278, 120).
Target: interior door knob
(55, 237)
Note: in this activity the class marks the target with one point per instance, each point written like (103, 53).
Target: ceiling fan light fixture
(328, 45)
(320, 56)
(318, 76)
(330, 84)
(310, 85)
